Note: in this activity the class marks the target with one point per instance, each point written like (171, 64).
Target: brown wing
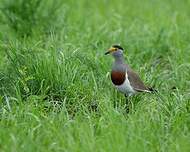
(136, 82)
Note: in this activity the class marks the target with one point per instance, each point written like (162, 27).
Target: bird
(123, 77)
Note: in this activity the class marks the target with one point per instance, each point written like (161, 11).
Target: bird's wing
(136, 82)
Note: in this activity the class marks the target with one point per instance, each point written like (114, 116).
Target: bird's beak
(112, 49)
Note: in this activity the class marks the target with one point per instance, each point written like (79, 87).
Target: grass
(55, 90)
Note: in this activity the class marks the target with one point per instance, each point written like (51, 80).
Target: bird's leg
(127, 103)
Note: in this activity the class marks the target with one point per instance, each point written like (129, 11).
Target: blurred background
(55, 90)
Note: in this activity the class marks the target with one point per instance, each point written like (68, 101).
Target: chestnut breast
(118, 77)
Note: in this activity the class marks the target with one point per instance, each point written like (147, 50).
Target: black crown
(118, 47)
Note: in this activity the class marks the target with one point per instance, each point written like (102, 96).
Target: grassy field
(55, 88)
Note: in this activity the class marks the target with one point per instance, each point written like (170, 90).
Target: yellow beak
(112, 49)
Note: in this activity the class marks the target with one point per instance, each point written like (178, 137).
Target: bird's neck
(119, 60)
(119, 64)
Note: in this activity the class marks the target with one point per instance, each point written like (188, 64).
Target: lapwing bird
(123, 77)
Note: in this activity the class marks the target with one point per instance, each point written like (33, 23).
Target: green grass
(55, 88)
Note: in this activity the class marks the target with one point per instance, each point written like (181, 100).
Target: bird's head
(115, 50)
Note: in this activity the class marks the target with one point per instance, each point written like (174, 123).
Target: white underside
(126, 87)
